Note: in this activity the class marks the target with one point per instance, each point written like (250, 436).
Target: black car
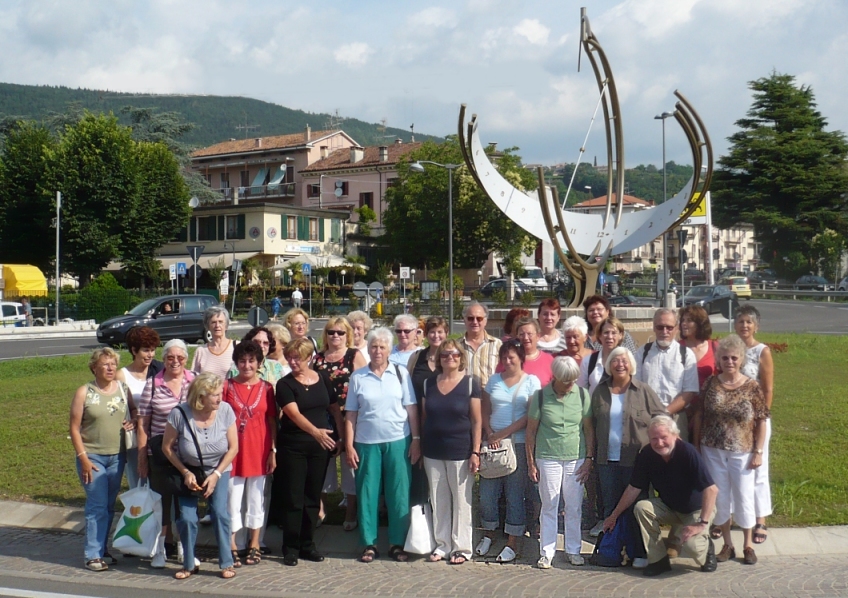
(626, 301)
(813, 283)
(502, 284)
(762, 278)
(172, 316)
(713, 298)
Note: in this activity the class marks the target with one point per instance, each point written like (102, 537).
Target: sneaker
(575, 559)
(205, 520)
(727, 552)
(596, 531)
(158, 561)
(711, 564)
(640, 563)
(543, 563)
(483, 546)
(658, 568)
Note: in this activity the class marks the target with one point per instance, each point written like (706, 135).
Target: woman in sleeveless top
(696, 333)
(339, 358)
(217, 355)
(759, 366)
(98, 419)
(142, 342)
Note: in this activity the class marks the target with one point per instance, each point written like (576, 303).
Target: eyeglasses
(336, 333)
(475, 318)
(730, 358)
(449, 354)
(402, 331)
(179, 358)
(661, 327)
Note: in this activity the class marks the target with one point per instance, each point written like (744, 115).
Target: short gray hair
(666, 310)
(175, 343)
(565, 369)
(620, 350)
(360, 316)
(666, 422)
(468, 307)
(381, 333)
(211, 312)
(575, 323)
(731, 344)
(409, 319)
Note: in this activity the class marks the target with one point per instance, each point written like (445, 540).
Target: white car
(534, 278)
(12, 314)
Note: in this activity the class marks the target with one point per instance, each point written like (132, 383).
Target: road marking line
(32, 594)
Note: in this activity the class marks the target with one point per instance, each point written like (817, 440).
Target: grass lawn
(809, 469)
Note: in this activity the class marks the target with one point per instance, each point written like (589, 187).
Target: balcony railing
(260, 191)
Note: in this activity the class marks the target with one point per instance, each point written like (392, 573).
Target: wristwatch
(758, 451)
(703, 522)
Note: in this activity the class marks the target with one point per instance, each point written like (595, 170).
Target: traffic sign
(194, 271)
(181, 268)
(172, 271)
(236, 265)
(360, 289)
(306, 269)
(376, 288)
(224, 287)
(257, 316)
(195, 251)
(404, 273)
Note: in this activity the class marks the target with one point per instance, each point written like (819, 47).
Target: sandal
(457, 558)
(435, 557)
(96, 565)
(228, 573)
(254, 557)
(398, 554)
(760, 533)
(185, 573)
(369, 554)
(507, 555)
(236, 560)
(715, 532)
(349, 526)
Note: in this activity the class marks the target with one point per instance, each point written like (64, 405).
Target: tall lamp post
(662, 117)
(235, 275)
(418, 166)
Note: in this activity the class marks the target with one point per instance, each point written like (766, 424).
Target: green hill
(217, 118)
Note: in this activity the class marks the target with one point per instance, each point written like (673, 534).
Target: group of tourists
(591, 426)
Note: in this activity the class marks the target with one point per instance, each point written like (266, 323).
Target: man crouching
(687, 496)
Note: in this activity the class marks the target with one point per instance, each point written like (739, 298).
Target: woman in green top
(98, 421)
(560, 444)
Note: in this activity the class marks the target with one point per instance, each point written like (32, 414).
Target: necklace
(734, 382)
(224, 350)
(105, 391)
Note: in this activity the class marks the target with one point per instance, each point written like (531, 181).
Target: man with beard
(669, 367)
(686, 500)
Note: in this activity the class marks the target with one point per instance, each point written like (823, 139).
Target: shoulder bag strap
(193, 437)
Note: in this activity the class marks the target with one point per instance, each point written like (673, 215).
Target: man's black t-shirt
(679, 482)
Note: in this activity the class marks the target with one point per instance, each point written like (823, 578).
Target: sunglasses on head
(336, 333)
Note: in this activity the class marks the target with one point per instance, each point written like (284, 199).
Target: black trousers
(304, 467)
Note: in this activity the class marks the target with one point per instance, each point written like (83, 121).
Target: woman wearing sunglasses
(451, 448)
(339, 358)
(406, 327)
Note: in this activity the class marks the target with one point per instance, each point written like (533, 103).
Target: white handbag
(141, 523)
(420, 538)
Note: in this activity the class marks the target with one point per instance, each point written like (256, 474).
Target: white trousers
(762, 489)
(251, 490)
(560, 478)
(451, 490)
(331, 481)
(735, 483)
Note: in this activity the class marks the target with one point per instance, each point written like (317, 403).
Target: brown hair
(453, 344)
(699, 317)
(516, 313)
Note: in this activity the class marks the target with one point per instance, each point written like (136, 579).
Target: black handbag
(178, 486)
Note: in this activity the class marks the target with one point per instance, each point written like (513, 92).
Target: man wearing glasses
(481, 348)
(669, 368)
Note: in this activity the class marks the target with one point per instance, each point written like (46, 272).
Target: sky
(514, 62)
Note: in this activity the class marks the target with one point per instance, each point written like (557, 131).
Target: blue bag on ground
(617, 547)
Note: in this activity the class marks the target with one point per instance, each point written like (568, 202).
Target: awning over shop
(318, 261)
(23, 280)
(205, 261)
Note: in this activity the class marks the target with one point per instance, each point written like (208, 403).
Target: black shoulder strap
(645, 350)
(593, 361)
(193, 437)
(683, 354)
(397, 370)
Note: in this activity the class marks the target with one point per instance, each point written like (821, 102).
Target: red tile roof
(602, 202)
(268, 143)
(371, 157)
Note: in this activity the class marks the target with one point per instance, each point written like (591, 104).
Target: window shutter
(302, 228)
(221, 227)
(193, 230)
(321, 223)
(240, 227)
(182, 236)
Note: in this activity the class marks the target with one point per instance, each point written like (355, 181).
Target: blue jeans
(100, 496)
(514, 487)
(187, 524)
(614, 480)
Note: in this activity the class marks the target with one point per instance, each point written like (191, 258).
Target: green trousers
(383, 465)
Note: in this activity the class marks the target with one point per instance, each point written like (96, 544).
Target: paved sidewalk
(45, 543)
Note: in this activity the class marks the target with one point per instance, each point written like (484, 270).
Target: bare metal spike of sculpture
(587, 234)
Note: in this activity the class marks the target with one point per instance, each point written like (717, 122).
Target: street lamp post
(343, 272)
(412, 272)
(662, 117)
(235, 275)
(418, 166)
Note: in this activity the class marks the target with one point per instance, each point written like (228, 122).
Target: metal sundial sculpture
(597, 236)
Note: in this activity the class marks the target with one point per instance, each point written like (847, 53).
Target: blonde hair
(280, 332)
(290, 315)
(101, 352)
(301, 348)
(202, 386)
(453, 344)
(335, 321)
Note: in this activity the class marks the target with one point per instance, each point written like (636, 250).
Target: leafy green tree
(826, 249)
(416, 219)
(784, 173)
(27, 202)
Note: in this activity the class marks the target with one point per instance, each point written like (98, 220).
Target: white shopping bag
(140, 526)
(420, 539)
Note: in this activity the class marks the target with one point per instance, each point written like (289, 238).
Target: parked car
(843, 284)
(813, 283)
(12, 314)
(626, 301)
(172, 316)
(713, 298)
(534, 278)
(739, 285)
(502, 284)
(762, 278)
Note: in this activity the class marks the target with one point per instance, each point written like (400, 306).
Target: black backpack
(650, 344)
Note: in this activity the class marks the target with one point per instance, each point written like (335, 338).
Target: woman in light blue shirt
(382, 442)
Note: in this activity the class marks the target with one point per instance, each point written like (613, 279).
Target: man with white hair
(686, 501)
(481, 348)
(669, 367)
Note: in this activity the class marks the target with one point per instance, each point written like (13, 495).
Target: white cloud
(533, 31)
(434, 16)
(355, 54)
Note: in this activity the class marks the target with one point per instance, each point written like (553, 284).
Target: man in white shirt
(297, 297)
(669, 368)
